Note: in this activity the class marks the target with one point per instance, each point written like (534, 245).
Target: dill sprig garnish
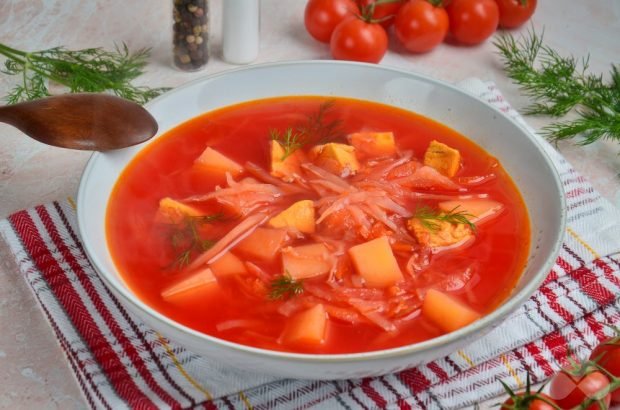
(290, 141)
(430, 218)
(85, 70)
(285, 286)
(560, 84)
(186, 240)
(316, 130)
(320, 131)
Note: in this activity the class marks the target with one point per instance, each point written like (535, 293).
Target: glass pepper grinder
(190, 34)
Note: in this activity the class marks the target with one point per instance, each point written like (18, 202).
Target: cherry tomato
(472, 21)
(526, 401)
(385, 11)
(513, 13)
(421, 26)
(322, 16)
(607, 355)
(569, 391)
(357, 40)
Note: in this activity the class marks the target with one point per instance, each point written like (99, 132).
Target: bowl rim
(508, 305)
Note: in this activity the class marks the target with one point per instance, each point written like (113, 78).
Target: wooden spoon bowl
(86, 121)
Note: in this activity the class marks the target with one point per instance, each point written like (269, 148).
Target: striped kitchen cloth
(120, 363)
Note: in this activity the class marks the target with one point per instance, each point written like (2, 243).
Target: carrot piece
(306, 261)
(263, 243)
(446, 312)
(217, 162)
(307, 327)
(336, 158)
(443, 158)
(171, 211)
(373, 144)
(227, 264)
(480, 209)
(285, 166)
(300, 216)
(375, 262)
(191, 285)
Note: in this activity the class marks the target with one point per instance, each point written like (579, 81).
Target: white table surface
(33, 370)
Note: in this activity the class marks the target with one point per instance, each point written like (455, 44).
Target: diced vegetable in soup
(317, 225)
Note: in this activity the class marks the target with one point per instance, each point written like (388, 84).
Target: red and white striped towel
(120, 363)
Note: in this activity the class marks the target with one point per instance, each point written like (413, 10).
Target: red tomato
(513, 13)
(420, 26)
(569, 391)
(357, 40)
(525, 401)
(322, 16)
(472, 21)
(607, 355)
(385, 10)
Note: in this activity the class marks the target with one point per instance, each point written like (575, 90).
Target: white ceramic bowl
(519, 153)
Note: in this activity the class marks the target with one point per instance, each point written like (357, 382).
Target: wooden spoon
(88, 121)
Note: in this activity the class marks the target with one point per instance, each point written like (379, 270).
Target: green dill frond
(285, 286)
(290, 141)
(558, 84)
(85, 70)
(430, 218)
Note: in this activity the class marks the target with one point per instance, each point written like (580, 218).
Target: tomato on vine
(607, 356)
(527, 399)
(384, 13)
(585, 386)
(472, 21)
(322, 16)
(359, 40)
(421, 25)
(513, 13)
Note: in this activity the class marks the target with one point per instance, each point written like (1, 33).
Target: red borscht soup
(318, 225)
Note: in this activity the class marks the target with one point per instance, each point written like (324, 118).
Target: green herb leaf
(289, 140)
(186, 240)
(430, 218)
(85, 70)
(558, 84)
(316, 130)
(285, 286)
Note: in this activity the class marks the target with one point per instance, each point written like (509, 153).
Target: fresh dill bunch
(558, 84)
(430, 218)
(85, 70)
(290, 140)
(285, 286)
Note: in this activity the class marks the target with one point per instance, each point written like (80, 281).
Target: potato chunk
(308, 327)
(263, 243)
(285, 166)
(373, 144)
(227, 264)
(192, 285)
(443, 158)
(446, 312)
(446, 234)
(300, 216)
(336, 158)
(171, 211)
(306, 261)
(375, 262)
(217, 162)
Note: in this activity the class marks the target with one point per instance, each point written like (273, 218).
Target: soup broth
(317, 225)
